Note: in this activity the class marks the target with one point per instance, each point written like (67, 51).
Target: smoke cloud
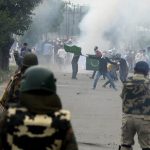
(47, 17)
(116, 24)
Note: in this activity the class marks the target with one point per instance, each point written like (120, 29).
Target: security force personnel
(39, 123)
(11, 93)
(136, 108)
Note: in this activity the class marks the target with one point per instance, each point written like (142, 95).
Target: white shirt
(61, 53)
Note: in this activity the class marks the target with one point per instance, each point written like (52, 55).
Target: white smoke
(114, 23)
(96, 22)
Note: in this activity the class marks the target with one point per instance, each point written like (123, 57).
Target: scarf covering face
(40, 103)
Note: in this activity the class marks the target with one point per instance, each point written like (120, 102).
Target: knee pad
(125, 147)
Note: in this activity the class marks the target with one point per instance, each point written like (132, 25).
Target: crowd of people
(32, 116)
(47, 51)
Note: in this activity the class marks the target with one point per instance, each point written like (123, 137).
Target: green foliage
(15, 18)
(16, 15)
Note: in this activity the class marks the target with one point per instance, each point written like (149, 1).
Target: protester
(103, 61)
(123, 67)
(61, 57)
(112, 72)
(74, 63)
(48, 52)
(97, 54)
(141, 56)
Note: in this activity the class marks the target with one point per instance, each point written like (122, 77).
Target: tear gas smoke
(46, 14)
(115, 23)
(45, 21)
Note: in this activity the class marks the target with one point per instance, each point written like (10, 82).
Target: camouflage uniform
(136, 112)
(25, 131)
(11, 93)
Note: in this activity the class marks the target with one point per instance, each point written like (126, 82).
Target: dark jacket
(75, 59)
(123, 67)
(103, 61)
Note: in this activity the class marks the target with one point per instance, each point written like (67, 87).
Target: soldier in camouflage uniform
(39, 123)
(136, 108)
(11, 93)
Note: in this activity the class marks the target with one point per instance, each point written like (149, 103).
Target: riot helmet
(30, 59)
(141, 67)
(39, 79)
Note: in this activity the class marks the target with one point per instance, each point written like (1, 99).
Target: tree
(15, 19)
